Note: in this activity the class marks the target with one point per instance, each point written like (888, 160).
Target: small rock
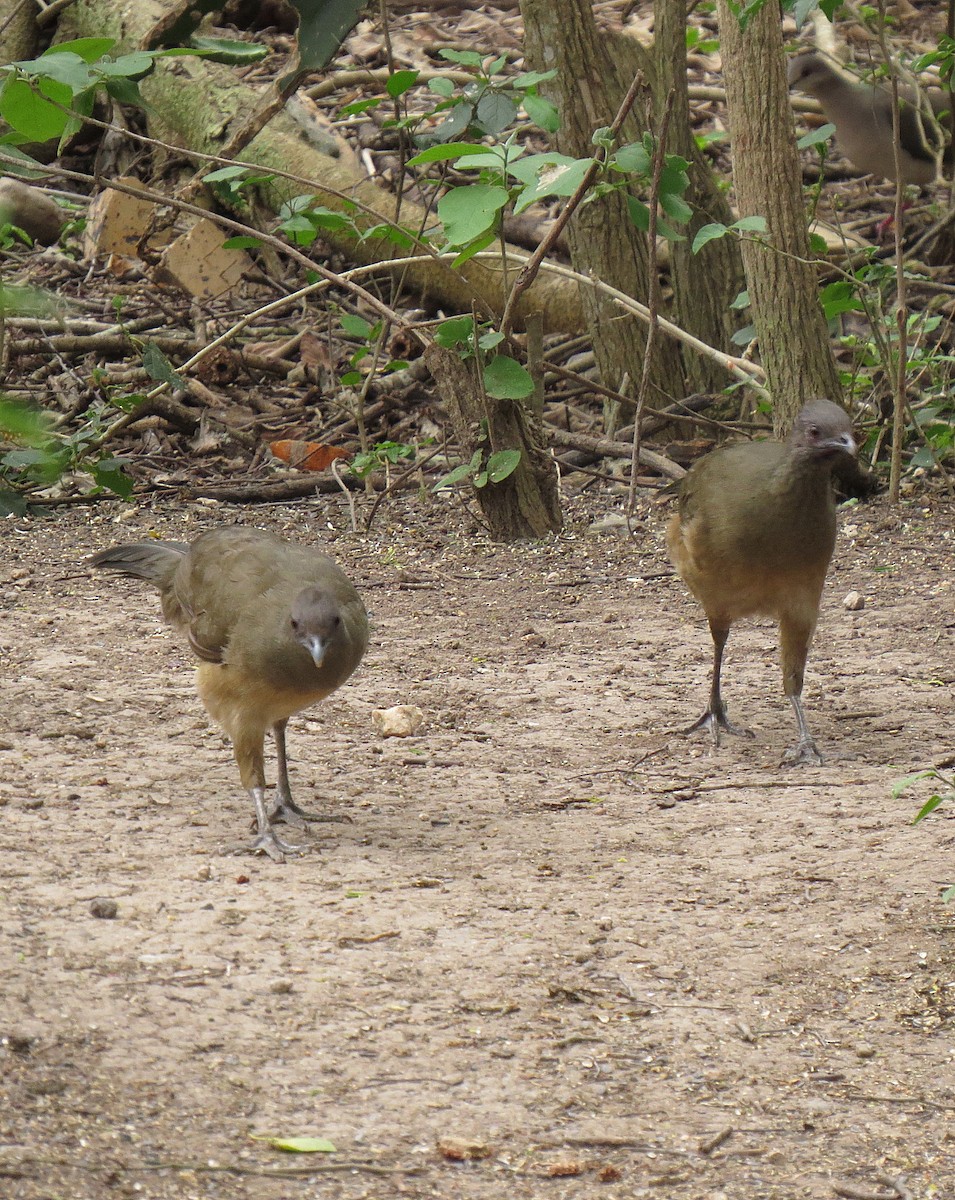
(854, 602)
(460, 1149)
(107, 910)
(280, 987)
(402, 720)
(865, 1050)
(204, 873)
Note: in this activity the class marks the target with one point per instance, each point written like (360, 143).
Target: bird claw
(272, 845)
(804, 753)
(290, 813)
(714, 722)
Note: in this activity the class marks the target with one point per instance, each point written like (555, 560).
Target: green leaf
(902, 785)
(456, 122)
(675, 207)
(755, 224)
(108, 473)
(501, 464)
(229, 50)
(495, 112)
(454, 332)
(542, 113)
(440, 153)
(89, 49)
(351, 379)
(65, 68)
(531, 79)
(632, 158)
(441, 87)
(323, 26)
(928, 807)
(490, 339)
(467, 58)
(241, 242)
(125, 91)
(456, 476)
(816, 137)
(400, 82)
(505, 379)
(474, 247)
(132, 66)
(158, 367)
(468, 212)
(548, 175)
(818, 244)
(640, 216)
(356, 326)
(299, 1145)
(23, 108)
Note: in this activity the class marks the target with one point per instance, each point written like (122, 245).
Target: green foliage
(48, 97)
(381, 456)
(41, 455)
(482, 469)
(930, 805)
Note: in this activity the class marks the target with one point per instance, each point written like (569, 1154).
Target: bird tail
(155, 562)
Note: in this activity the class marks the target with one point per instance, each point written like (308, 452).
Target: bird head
(812, 74)
(315, 619)
(823, 430)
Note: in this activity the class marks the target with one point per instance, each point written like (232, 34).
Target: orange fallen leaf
(307, 456)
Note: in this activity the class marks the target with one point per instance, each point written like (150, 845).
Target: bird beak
(846, 442)
(316, 648)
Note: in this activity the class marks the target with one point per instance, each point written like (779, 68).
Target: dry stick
(532, 266)
(654, 302)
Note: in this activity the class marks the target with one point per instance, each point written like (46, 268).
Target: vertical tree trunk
(704, 284)
(790, 326)
(587, 90)
(527, 503)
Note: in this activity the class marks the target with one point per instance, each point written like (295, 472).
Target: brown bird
(862, 115)
(277, 627)
(754, 533)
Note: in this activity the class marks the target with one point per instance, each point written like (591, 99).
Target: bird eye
(813, 431)
(295, 624)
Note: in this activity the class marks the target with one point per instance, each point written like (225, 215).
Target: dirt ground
(551, 935)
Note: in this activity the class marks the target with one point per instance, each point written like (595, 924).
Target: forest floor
(553, 949)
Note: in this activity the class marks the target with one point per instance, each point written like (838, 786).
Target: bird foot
(272, 845)
(714, 721)
(289, 812)
(804, 753)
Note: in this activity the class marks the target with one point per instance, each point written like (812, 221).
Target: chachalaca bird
(862, 115)
(277, 627)
(754, 533)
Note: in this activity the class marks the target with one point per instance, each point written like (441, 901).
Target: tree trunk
(527, 503)
(790, 326)
(588, 88)
(704, 284)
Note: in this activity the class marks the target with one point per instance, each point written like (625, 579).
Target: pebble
(854, 602)
(107, 910)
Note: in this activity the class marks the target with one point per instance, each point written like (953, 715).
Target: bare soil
(552, 948)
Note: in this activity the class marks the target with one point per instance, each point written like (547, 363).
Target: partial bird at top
(862, 115)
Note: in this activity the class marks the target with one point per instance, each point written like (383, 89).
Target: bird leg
(268, 842)
(248, 747)
(805, 750)
(714, 717)
(795, 634)
(285, 809)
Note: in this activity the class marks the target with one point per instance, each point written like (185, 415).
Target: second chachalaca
(754, 533)
(277, 627)
(862, 115)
